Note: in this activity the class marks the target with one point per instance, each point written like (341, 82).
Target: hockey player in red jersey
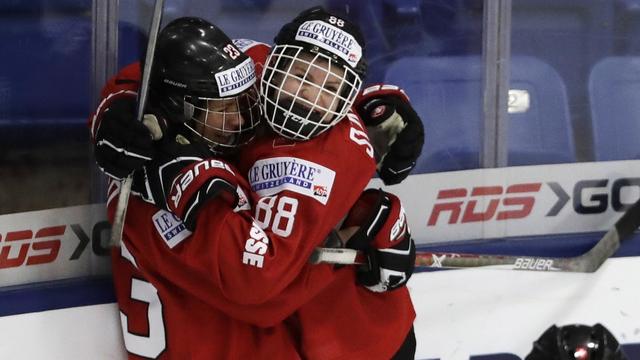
(308, 85)
(280, 282)
(168, 308)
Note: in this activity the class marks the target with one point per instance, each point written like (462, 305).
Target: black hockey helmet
(317, 38)
(313, 74)
(576, 342)
(201, 79)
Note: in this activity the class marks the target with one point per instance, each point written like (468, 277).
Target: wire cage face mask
(304, 94)
(224, 123)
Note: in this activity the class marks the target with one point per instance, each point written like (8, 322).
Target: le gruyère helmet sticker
(332, 39)
(237, 79)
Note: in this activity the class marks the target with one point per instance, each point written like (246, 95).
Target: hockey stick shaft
(125, 186)
(587, 262)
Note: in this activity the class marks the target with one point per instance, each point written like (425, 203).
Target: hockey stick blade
(585, 263)
(125, 186)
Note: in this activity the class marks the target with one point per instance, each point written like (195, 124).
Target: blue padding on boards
(53, 295)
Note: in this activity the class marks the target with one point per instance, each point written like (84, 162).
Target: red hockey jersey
(301, 191)
(169, 307)
(325, 176)
(239, 274)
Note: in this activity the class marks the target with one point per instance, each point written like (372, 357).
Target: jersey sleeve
(159, 321)
(201, 267)
(253, 265)
(300, 195)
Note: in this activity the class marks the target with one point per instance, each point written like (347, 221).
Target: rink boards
(54, 274)
(462, 314)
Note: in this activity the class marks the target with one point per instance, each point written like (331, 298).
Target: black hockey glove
(384, 237)
(183, 177)
(199, 183)
(121, 144)
(395, 130)
(171, 155)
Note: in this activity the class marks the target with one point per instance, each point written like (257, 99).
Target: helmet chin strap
(189, 109)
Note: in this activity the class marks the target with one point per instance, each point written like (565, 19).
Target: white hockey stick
(125, 186)
(587, 262)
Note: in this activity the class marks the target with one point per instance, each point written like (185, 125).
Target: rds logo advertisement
(518, 201)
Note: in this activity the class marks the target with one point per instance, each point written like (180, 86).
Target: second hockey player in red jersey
(171, 307)
(308, 86)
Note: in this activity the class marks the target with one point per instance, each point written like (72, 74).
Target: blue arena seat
(614, 93)
(398, 28)
(21, 7)
(447, 93)
(571, 36)
(556, 29)
(45, 78)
